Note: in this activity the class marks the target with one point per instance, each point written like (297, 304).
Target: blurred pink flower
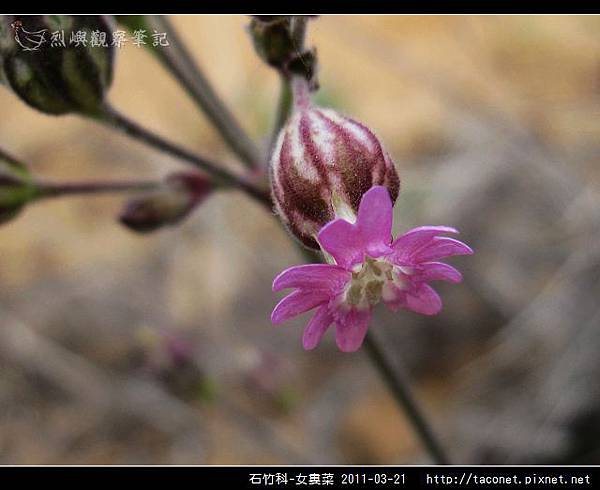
(366, 267)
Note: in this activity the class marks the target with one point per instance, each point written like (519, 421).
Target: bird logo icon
(28, 40)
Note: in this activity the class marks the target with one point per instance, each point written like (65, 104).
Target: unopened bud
(16, 187)
(272, 39)
(168, 205)
(321, 166)
(51, 63)
(276, 42)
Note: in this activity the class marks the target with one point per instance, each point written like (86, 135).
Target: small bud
(178, 196)
(277, 44)
(305, 65)
(321, 166)
(16, 187)
(51, 63)
(272, 39)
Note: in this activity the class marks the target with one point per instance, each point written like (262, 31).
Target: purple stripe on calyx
(320, 155)
(354, 163)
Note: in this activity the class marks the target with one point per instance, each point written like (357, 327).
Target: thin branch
(55, 189)
(222, 176)
(186, 70)
(399, 386)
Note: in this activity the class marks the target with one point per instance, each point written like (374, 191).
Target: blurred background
(117, 348)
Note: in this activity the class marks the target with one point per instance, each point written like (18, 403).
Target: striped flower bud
(57, 63)
(321, 166)
(16, 187)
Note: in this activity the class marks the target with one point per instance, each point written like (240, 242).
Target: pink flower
(367, 267)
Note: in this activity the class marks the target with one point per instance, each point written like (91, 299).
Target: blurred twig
(46, 189)
(221, 175)
(182, 64)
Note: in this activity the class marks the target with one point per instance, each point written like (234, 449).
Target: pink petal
(441, 247)
(375, 220)
(397, 302)
(405, 245)
(296, 303)
(424, 300)
(317, 326)
(343, 241)
(438, 271)
(351, 329)
(348, 243)
(314, 276)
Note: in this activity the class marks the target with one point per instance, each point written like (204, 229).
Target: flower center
(366, 287)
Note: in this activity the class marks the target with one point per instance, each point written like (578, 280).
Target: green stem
(182, 65)
(399, 385)
(222, 176)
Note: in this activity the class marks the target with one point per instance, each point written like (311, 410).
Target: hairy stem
(222, 176)
(285, 101)
(182, 65)
(284, 107)
(300, 92)
(399, 385)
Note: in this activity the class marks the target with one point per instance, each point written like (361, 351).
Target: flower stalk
(399, 386)
(285, 101)
(284, 108)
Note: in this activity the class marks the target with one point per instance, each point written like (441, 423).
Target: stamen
(354, 294)
(368, 280)
(373, 291)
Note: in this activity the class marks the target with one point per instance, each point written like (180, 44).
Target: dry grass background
(494, 124)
